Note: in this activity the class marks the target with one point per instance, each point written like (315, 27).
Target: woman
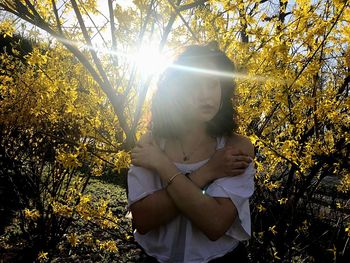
(192, 177)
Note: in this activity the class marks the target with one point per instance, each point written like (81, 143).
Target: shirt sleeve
(238, 189)
(141, 182)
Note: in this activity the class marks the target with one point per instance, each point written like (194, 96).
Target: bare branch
(95, 26)
(111, 21)
(59, 28)
(114, 98)
(183, 20)
(191, 5)
(167, 30)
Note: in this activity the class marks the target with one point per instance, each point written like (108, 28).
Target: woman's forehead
(192, 73)
(202, 66)
(199, 68)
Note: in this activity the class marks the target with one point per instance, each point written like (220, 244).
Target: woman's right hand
(147, 154)
(228, 162)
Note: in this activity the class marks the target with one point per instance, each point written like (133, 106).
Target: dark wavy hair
(168, 108)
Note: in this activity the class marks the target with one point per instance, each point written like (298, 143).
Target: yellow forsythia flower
(42, 256)
(272, 229)
(333, 251)
(344, 185)
(88, 239)
(260, 234)
(69, 160)
(31, 214)
(283, 201)
(348, 230)
(73, 239)
(109, 246)
(275, 254)
(261, 209)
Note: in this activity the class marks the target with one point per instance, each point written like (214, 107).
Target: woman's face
(204, 98)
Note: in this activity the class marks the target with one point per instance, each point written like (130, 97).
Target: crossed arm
(212, 215)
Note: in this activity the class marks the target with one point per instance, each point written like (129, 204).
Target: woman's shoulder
(242, 143)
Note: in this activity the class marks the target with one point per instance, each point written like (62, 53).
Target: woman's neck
(193, 145)
(194, 134)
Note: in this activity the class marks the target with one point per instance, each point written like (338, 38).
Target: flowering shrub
(54, 137)
(69, 112)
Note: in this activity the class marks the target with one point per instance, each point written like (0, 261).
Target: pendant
(185, 158)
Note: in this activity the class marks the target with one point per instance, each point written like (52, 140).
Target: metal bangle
(171, 179)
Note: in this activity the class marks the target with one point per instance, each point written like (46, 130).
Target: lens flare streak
(151, 62)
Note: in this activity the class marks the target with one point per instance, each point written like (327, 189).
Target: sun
(150, 61)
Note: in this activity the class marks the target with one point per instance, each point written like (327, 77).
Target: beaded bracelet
(171, 179)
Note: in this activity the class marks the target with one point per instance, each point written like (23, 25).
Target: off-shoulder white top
(179, 240)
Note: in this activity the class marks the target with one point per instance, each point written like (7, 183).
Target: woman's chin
(202, 117)
(206, 117)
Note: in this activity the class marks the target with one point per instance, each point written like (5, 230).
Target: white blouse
(179, 240)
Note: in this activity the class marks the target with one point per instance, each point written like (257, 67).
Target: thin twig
(183, 20)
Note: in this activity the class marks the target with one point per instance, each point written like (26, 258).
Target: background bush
(69, 112)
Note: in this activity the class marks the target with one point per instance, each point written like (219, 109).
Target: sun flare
(150, 61)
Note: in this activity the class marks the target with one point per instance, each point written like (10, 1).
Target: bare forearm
(158, 208)
(202, 177)
(190, 201)
(153, 211)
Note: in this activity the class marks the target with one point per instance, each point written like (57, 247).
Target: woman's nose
(205, 92)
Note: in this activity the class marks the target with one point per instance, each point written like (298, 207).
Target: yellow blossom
(272, 229)
(61, 209)
(347, 230)
(31, 214)
(260, 234)
(88, 239)
(69, 160)
(273, 185)
(261, 209)
(282, 201)
(333, 251)
(275, 254)
(73, 239)
(42, 256)
(109, 246)
(123, 160)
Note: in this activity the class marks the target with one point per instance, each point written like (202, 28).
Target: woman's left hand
(147, 154)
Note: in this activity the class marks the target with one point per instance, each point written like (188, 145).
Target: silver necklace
(187, 156)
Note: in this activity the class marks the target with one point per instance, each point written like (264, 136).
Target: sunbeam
(150, 61)
(237, 75)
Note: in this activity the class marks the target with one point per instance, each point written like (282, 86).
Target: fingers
(135, 155)
(139, 148)
(133, 160)
(241, 158)
(238, 158)
(135, 151)
(234, 151)
(136, 159)
(239, 165)
(237, 153)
